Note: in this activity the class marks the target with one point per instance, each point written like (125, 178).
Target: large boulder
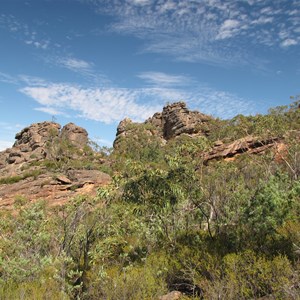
(78, 136)
(177, 119)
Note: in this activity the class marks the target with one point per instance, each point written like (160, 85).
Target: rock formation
(174, 120)
(56, 189)
(36, 142)
(249, 144)
(24, 173)
(78, 136)
(175, 295)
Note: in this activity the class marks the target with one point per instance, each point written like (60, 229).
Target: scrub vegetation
(225, 230)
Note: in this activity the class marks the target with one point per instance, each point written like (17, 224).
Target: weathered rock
(122, 130)
(247, 144)
(63, 179)
(37, 135)
(31, 142)
(122, 126)
(78, 136)
(37, 142)
(177, 119)
(55, 192)
(22, 164)
(88, 176)
(174, 120)
(174, 295)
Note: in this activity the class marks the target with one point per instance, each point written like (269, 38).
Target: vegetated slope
(198, 208)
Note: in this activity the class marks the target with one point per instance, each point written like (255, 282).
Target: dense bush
(228, 230)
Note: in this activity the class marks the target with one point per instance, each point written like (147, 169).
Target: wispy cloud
(81, 67)
(163, 79)
(6, 78)
(50, 111)
(112, 104)
(23, 32)
(228, 29)
(209, 30)
(31, 80)
(289, 42)
(75, 64)
(107, 105)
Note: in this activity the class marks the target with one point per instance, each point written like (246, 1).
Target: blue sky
(94, 62)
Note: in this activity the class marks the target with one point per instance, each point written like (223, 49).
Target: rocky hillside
(41, 165)
(56, 164)
(176, 121)
(198, 208)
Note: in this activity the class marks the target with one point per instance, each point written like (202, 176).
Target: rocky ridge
(175, 119)
(23, 172)
(23, 169)
(249, 144)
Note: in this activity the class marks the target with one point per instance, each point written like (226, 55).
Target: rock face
(22, 172)
(78, 136)
(33, 143)
(55, 189)
(247, 144)
(30, 146)
(174, 120)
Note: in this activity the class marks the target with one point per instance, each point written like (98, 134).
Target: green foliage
(227, 230)
(14, 179)
(249, 276)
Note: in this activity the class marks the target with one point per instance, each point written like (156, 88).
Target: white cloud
(289, 42)
(208, 30)
(107, 105)
(82, 67)
(6, 78)
(110, 104)
(49, 110)
(228, 29)
(141, 2)
(163, 79)
(31, 80)
(75, 64)
(24, 33)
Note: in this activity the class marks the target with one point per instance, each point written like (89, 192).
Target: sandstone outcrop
(249, 144)
(36, 142)
(78, 136)
(55, 189)
(24, 173)
(175, 119)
